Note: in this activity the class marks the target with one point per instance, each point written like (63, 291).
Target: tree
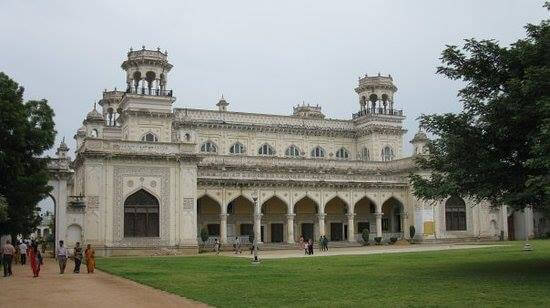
(497, 148)
(3, 209)
(26, 131)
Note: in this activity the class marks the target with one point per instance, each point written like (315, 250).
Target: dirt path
(80, 290)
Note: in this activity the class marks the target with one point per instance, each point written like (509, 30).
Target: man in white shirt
(23, 252)
(62, 254)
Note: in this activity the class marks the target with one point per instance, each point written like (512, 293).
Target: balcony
(149, 91)
(380, 111)
(77, 202)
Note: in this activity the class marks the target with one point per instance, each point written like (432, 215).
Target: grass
(496, 276)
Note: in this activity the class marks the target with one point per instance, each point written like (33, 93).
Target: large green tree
(498, 147)
(26, 131)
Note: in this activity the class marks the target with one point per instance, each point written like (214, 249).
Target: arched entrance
(208, 216)
(336, 210)
(274, 212)
(141, 215)
(306, 211)
(392, 218)
(240, 219)
(364, 210)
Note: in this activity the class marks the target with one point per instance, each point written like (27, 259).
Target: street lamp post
(255, 242)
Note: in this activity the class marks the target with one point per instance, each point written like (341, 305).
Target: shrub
(365, 236)
(412, 231)
(393, 240)
(378, 239)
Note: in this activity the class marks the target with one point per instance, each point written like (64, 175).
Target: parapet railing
(383, 111)
(149, 91)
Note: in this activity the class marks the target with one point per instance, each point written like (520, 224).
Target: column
(404, 228)
(258, 228)
(223, 228)
(402, 218)
(378, 224)
(504, 218)
(351, 228)
(290, 228)
(321, 223)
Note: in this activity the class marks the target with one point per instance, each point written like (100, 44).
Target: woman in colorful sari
(36, 259)
(89, 253)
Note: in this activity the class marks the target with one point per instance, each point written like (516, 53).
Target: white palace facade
(147, 176)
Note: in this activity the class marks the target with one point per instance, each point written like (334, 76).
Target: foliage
(483, 277)
(412, 231)
(365, 236)
(393, 240)
(3, 209)
(26, 131)
(204, 235)
(498, 148)
(378, 240)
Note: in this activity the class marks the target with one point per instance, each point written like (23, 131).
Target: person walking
(217, 247)
(35, 258)
(325, 242)
(90, 259)
(62, 254)
(302, 242)
(237, 245)
(77, 255)
(23, 252)
(321, 244)
(8, 251)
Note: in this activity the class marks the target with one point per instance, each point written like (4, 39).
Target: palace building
(147, 175)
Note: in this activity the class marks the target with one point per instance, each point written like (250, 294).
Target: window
(387, 154)
(318, 152)
(94, 133)
(385, 224)
(342, 153)
(150, 137)
(292, 151)
(364, 155)
(236, 148)
(455, 214)
(141, 215)
(213, 229)
(209, 147)
(266, 149)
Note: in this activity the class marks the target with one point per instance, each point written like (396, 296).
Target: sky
(264, 56)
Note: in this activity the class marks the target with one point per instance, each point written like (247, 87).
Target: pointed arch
(141, 214)
(274, 205)
(318, 152)
(364, 206)
(150, 137)
(293, 151)
(206, 204)
(266, 149)
(307, 205)
(237, 148)
(209, 147)
(334, 204)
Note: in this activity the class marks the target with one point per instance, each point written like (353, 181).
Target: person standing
(8, 251)
(217, 247)
(35, 258)
(77, 255)
(90, 259)
(23, 251)
(325, 242)
(310, 246)
(62, 254)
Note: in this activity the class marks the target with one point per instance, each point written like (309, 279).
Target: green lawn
(503, 276)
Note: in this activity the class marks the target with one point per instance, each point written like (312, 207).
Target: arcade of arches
(275, 221)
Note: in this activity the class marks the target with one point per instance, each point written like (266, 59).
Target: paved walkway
(366, 250)
(80, 290)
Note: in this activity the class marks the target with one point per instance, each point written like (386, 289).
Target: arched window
(94, 133)
(209, 147)
(236, 148)
(387, 154)
(342, 153)
(364, 155)
(318, 152)
(141, 215)
(292, 151)
(266, 149)
(150, 137)
(455, 214)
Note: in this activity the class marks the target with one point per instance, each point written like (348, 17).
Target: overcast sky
(263, 56)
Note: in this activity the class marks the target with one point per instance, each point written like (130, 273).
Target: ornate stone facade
(238, 174)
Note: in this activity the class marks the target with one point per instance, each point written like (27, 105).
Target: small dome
(222, 102)
(63, 145)
(94, 115)
(420, 136)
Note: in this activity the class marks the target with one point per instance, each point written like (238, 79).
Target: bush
(412, 231)
(378, 239)
(204, 235)
(365, 236)
(393, 240)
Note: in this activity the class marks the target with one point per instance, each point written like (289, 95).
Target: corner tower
(146, 105)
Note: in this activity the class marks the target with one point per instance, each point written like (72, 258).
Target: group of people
(22, 253)
(62, 255)
(307, 245)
